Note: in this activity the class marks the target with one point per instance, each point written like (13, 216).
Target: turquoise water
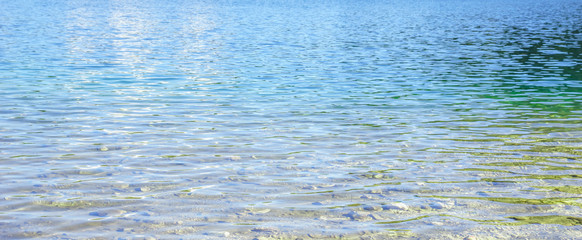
(290, 119)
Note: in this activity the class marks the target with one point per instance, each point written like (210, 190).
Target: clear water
(290, 119)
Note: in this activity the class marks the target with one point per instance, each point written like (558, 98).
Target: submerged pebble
(437, 223)
(440, 205)
(105, 213)
(396, 206)
(321, 202)
(309, 187)
(354, 215)
(218, 234)
(372, 208)
(110, 148)
(143, 189)
(265, 230)
(437, 205)
(257, 210)
(375, 216)
(370, 197)
(98, 214)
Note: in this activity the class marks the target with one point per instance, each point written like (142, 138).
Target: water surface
(290, 119)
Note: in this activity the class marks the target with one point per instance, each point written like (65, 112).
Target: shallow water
(284, 119)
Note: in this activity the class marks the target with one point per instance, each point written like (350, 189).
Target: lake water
(156, 119)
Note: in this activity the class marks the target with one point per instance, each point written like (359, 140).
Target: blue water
(292, 119)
